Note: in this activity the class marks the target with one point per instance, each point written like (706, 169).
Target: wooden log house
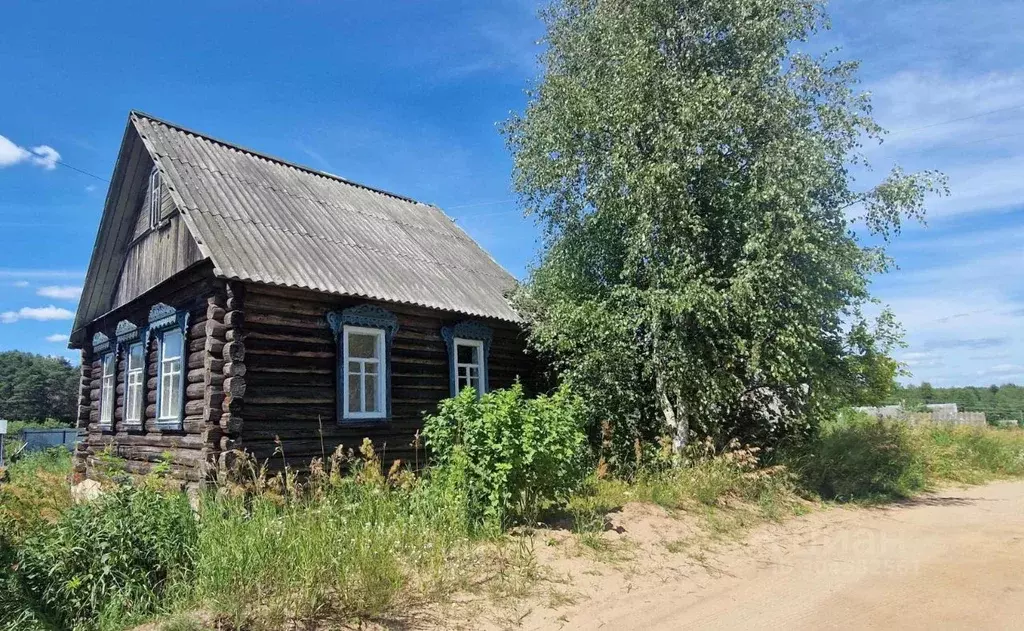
(234, 298)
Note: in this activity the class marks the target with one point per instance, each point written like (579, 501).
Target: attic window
(154, 197)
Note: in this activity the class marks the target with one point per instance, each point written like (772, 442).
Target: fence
(944, 413)
(40, 439)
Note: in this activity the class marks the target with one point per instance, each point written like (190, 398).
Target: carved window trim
(129, 337)
(468, 331)
(367, 317)
(164, 319)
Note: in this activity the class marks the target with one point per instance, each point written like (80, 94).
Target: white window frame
(479, 346)
(382, 374)
(134, 386)
(107, 389)
(162, 395)
(155, 193)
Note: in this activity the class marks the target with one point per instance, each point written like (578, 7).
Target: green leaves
(515, 455)
(692, 176)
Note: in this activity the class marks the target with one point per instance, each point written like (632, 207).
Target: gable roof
(265, 220)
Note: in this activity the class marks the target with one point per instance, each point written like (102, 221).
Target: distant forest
(997, 402)
(36, 387)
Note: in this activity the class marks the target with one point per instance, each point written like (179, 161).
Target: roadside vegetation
(350, 541)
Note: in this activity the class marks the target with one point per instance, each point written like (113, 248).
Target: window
(364, 334)
(107, 390)
(155, 190)
(169, 381)
(469, 364)
(469, 345)
(365, 363)
(134, 384)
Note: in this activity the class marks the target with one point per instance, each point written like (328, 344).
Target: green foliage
(106, 563)
(858, 457)
(36, 387)
(37, 491)
(997, 402)
(972, 455)
(692, 175)
(516, 455)
(332, 548)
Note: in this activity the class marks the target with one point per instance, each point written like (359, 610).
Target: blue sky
(407, 96)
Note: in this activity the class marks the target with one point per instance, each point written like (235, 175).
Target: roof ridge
(267, 156)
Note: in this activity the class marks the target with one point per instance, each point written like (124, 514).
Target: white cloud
(10, 153)
(20, 283)
(46, 157)
(42, 314)
(970, 127)
(90, 188)
(57, 337)
(7, 272)
(43, 156)
(60, 292)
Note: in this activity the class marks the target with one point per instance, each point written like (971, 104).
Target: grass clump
(331, 547)
(860, 458)
(110, 562)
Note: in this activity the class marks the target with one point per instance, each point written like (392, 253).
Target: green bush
(110, 561)
(861, 458)
(516, 455)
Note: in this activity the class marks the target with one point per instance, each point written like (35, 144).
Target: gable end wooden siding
(156, 254)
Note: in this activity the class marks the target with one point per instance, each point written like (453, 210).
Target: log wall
(261, 366)
(191, 449)
(291, 362)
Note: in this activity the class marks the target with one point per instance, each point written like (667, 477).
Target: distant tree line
(997, 402)
(35, 387)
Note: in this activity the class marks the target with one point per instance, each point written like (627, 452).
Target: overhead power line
(82, 171)
(965, 118)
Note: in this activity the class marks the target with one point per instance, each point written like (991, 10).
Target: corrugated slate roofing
(265, 220)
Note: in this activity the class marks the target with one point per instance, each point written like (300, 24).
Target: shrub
(515, 455)
(109, 561)
(858, 457)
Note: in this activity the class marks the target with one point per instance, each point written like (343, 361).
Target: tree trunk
(676, 419)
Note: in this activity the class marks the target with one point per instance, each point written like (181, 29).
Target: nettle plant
(514, 455)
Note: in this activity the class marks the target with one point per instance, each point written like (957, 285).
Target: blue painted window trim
(128, 334)
(370, 317)
(164, 318)
(468, 330)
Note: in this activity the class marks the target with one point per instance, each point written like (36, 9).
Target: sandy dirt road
(950, 560)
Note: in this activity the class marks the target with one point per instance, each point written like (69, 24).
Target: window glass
(107, 389)
(134, 391)
(467, 364)
(170, 375)
(362, 345)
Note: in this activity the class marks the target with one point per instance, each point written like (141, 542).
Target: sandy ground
(949, 560)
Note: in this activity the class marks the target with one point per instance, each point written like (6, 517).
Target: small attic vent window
(154, 197)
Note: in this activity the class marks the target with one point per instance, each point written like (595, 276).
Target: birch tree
(700, 272)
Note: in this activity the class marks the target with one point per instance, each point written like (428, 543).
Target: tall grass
(330, 547)
(859, 458)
